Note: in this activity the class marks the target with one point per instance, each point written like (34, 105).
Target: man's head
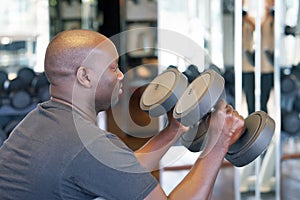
(82, 67)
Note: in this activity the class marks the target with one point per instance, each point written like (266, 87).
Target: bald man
(58, 151)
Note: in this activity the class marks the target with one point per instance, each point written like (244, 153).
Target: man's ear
(83, 77)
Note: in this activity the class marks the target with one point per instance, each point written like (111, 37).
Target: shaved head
(67, 51)
(82, 68)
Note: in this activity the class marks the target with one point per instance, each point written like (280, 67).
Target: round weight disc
(163, 92)
(195, 137)
(17, 84)
(20, 99)
(254, 141)
(290, 122)
(160, 88)
(199, 98)
(26, 74)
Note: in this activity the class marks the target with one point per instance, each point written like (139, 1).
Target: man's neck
(87, 115)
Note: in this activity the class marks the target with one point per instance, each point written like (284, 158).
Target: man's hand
(228, 123)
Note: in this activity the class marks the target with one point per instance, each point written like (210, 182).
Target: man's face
(109, 87)
(105, 75)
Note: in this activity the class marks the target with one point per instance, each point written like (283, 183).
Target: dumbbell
(290, 122)
(196, 104)
(290, 30)
(18, 94)
(289, 88)
(163, 92)
(191, 73)
(40, 85)
(289, 84)
(27, 75)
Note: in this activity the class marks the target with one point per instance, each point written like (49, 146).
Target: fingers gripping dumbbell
(196, 104)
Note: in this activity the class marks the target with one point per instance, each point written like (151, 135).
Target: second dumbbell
(198, 101)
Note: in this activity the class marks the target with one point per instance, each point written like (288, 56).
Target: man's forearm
(150, 154)
(199, 182)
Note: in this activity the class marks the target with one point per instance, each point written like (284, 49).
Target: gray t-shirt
(54, 153)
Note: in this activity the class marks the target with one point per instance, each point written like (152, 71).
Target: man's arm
(151, 153)
(199, 182)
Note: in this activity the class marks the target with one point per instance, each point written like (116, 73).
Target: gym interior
(253, 45)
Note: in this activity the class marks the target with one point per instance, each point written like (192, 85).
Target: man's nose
(120, 75)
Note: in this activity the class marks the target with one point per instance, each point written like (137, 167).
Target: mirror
(255, 45)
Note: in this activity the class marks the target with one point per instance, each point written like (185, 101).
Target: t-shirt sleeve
(108, 168)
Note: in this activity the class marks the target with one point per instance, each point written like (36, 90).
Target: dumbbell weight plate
(26, 74)
(288, 84)
(194, 139)
(17, 84)
(20, 99)
(163, 92)
(254, 141)
(290, 122)
(199, 98)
